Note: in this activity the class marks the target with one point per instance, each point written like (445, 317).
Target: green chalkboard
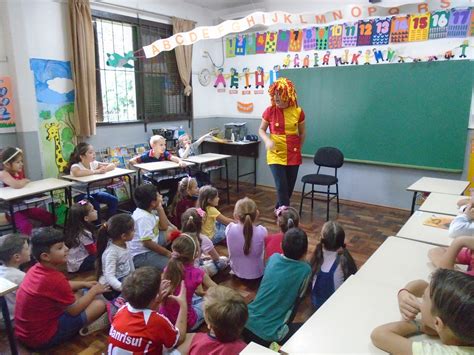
(413, 114)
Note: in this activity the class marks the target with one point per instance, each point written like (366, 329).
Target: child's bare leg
(95, 310)
(184, 348)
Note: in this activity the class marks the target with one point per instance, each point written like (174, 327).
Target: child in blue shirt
(284, 282)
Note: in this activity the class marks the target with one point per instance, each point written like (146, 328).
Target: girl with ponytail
(287, 217)
(185, 249)
(331, 263)
(245, 241)
(114, 261)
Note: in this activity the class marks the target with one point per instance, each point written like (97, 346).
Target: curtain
(83, 67)
(184, 53)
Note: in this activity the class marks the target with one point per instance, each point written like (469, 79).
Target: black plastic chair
(325, 157)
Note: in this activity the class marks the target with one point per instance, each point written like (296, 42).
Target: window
(131, 89)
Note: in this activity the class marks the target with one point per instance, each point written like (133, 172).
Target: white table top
(344, 323)
(6, 286)
(414, 229)
(207, 158)
(160, 165)
(398, 261)
(442, 203)
(256, 349)
(99, 177)
(445, 186)
(33, 188)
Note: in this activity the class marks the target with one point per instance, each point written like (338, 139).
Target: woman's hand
(269, 144)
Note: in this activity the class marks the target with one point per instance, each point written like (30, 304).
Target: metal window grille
(143, 89)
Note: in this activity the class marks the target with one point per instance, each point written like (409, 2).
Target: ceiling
(220, 5)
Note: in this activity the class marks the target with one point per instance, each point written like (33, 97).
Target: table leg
(12, 217)
(52, 206)
(413, 202)
(8, 326)
(254, 171)
(130, 185)
(227, 180)
(238, 172)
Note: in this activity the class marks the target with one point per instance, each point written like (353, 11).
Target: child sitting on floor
(186, 197)
(446, 308)
(47, 313)
(287, 217)
(225, 312)
(214, 222)
(461, 251)
(14, 251)
(331, 263)
(137, 328)
(245, 241)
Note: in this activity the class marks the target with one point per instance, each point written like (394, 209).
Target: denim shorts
(198, 306)
(68, 326)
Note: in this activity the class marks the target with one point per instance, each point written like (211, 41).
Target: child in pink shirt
(461, 251)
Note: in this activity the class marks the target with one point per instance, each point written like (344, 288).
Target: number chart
(322, 38)
(439, 24)
(364, 37)
(459, 22)
(309, 41)
(381, 31)
(296, 38)
(419, 27)
(349, 35)
(335, 36)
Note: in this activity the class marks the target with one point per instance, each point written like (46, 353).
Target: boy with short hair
(284, 281)
(136, 327)
(14, 251)
(447, 309)
(47, 312)
(148, 244)
(226, 313)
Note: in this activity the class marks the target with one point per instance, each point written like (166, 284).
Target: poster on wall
(55, 102)
(7, 113)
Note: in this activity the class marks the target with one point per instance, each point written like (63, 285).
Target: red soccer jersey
(273, 245)
(140, 331)
(42, 298)
(206, 344)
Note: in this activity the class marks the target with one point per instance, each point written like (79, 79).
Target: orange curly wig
(285, 89)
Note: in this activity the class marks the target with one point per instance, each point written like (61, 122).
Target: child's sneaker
(100, 323)
(210, 267)
(222, 263)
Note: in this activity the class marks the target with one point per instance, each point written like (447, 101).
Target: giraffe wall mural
(55, 101)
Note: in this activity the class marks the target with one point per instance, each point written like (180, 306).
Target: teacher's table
(11, 195)
(442, 203)
(444, 186)
(158, 166)
(237, 149)
(7, 287)
(206, 158)
(109, 175)
(416, 229)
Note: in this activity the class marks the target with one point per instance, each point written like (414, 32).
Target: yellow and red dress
(283, 124)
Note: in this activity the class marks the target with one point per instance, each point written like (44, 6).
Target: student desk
(209, 158)
(12, 195)
(414, 229)
(444, 186)
(256, 349)
(158, 166)
(91, 179)
(398, 261)
(442, 203)
(237, 149)
(6, 287)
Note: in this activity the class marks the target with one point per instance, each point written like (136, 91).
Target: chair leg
(337, 197)
(312, 198)
(302, 197)
(327, 204)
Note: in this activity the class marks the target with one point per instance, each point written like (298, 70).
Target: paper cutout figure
(367, 56)
(390, 54)
(220, 78)
(283, 40)
(448, 55)
(234, 79)
(270, 45)
(364, 35)
(244, 107)
(260, 43)
(335, 36)
(306, 61)
(463, 47)
(296, 39)
(326, 58)
(296, 61)
(316, 59)
(250, 44)
(240, 45)
(118, 61)
(432, 58)
(286, 61)
(439, 21)
(349, 35)
(259, 78)
(345, 57)
(355, 58)
(337, 60)
(459, 22)
(230, 47)
(246, 72)
(381, 31)
(401, 59)
(309, 38)
(378, 55)
(419, 27)
(274, 74)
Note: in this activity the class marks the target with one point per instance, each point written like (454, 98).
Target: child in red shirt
(137, 328)
(47, 312)
(287, 217)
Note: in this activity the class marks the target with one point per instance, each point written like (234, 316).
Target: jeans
(68, 327)
(151, 258)
(219, 233)
(101, 197)
(285, 180)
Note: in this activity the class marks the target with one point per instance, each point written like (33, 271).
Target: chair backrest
(329, 156)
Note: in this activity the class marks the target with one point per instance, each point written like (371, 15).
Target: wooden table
(256, 349)
(414, 229)
(11, 195)
(444, 186)
(237, 149)
(442, 203)
(205, 158)
(6, 287)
